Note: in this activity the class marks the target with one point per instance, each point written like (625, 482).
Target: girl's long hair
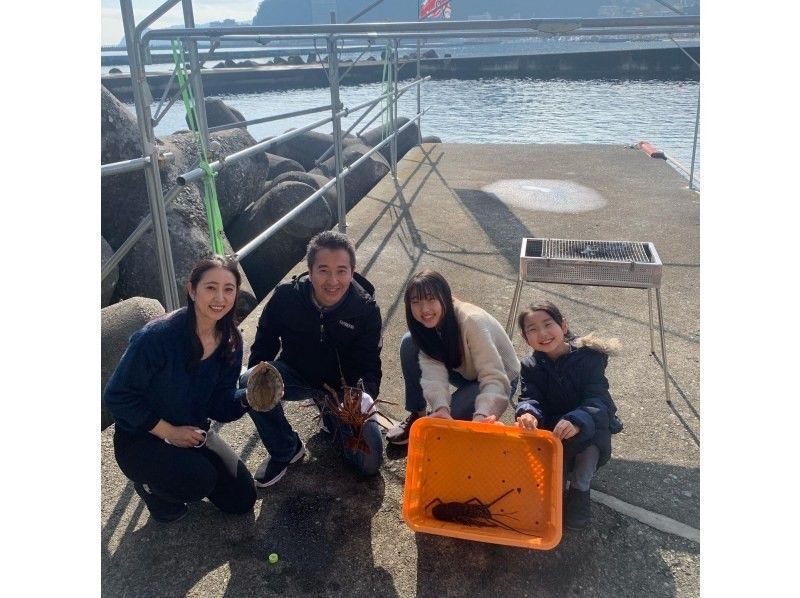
(442, 343)
(226, 327)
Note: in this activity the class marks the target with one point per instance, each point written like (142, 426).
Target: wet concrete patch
(546, 195)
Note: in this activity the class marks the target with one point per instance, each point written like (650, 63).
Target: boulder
(359, 182)
(218, 113)
(238, 183)
(278, 165)
(306, 147)
(314, 180)
(272, 259)
(312, 58)
(123, 197)
(220, 65)
(431, 139)
(117, 323)
(124, 201)
(108, 284)
(279, 60)
(114, 71)
(247, 63)
(294, 59)
(188, 232)
(230, 63)
(407, 139)
(430, 54)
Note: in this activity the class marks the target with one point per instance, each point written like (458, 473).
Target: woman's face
(215, 294)
(427, 310)
(544, 334)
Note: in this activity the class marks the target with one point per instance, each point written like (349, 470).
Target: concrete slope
(338, 535)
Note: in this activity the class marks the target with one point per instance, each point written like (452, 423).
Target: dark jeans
(183, 475)
(280, 439)
(462, 405)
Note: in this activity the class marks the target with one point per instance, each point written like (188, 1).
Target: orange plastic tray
(453, 461)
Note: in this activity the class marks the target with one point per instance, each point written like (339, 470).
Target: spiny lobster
(345, 406)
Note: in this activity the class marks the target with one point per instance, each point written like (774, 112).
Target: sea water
(503, 110)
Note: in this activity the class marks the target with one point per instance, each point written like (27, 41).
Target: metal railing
(138, 39)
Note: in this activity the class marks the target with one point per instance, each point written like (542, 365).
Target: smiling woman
(177, 373)
(452, 342)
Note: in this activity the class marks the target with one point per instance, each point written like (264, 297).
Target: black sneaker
(161, 510)
(577, 510)
(274, 470)
(399, 434)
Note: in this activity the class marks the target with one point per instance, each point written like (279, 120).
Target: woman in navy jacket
(178, 372)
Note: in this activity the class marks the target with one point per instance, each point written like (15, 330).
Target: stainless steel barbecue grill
(597, 263)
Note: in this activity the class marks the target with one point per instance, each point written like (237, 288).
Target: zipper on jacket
(321, 328)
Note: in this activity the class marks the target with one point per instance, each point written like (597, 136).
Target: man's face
(330, 276)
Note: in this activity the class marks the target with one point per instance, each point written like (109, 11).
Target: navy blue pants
(280, 439)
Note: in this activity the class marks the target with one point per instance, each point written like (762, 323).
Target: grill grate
(601, 263)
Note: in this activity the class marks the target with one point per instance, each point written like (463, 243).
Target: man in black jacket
(327, 327)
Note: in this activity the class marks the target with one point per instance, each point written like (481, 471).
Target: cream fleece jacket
(489, 358)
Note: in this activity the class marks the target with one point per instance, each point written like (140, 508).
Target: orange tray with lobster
(484, 482)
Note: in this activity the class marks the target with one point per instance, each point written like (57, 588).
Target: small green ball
(273, 558)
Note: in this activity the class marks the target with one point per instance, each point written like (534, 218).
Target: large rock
(124, 202)
(407, 139)
(363, 178)
(123, 197)
(431, 139)
(219, 113)
(294, 59)
(267, 264)
(188, 232)
(238, 183)
(117, 323)
(108, 284)
(306, 147)
(278, 165)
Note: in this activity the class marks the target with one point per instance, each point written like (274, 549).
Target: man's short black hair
(332, 240)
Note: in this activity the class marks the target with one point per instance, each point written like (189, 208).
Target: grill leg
(650, 310)
(514, 306)
(663, 345)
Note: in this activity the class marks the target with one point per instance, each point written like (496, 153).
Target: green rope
(388, 88)
(209, 187)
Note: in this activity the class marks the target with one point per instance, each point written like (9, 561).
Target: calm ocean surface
(505, 110)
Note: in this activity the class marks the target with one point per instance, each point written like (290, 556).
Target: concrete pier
(651, 63)
(463, 210)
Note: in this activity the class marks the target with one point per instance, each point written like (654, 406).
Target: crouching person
(178, 372)
(322, 329)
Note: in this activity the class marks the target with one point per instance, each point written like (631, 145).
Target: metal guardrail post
(393, 110)
(196, 81)
(694, 145)
(336, 106)
(419, 94)
(152, 173)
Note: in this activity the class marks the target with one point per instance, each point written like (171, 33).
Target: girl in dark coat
(565, 390)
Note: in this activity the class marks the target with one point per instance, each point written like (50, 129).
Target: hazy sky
(204, 11)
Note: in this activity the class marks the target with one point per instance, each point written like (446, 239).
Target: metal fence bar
(151, 171)
(370, 103)
(567, 25)
(277, 225)
(124, 166)
(393, 113)
(267, 119)
(142, 228)
(167, 87)
(198, 173)
(694, 145)
(333, 76)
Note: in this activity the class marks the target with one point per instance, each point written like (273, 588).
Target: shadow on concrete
(318, 519)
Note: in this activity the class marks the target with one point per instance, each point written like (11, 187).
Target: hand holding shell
(264, 387)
